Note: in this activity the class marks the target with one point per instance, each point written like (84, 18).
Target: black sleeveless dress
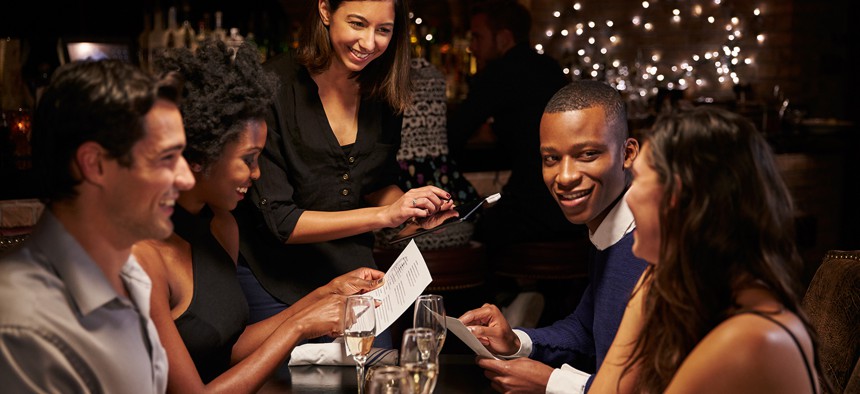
(218, 312)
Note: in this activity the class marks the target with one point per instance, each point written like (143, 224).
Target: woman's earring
(196, 167)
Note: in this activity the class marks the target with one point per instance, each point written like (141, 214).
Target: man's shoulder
(23, 283)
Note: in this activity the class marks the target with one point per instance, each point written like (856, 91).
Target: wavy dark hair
(104, 101)
(385, 78)
(225, 88)
(726, 221)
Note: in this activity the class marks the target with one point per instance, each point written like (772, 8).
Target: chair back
(832, 303)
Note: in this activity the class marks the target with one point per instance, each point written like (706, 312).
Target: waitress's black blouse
(304, 168)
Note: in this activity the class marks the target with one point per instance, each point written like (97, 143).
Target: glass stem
(359, 370)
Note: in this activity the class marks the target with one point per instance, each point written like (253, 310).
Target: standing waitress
(329, 159)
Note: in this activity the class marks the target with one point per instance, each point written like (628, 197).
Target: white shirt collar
(614, 226)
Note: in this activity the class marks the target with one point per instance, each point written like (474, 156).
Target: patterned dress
(424, 159)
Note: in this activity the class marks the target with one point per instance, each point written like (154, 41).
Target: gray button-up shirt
(64, 329)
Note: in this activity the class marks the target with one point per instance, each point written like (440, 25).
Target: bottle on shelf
(219, 29)
(156, 36)
(143, 42)
(173, 35)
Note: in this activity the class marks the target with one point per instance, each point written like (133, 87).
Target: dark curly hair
(225, 88)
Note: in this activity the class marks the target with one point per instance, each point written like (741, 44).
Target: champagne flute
(389, 379)
(430, 313)
(418, 357)
(359, 330)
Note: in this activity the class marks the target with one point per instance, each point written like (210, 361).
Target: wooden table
(458, 374)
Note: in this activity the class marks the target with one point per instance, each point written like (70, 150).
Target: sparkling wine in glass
(389, 379)
(430, 313)
(359, 330)
(418, 357)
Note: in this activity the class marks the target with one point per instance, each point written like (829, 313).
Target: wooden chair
(454, 268)
(832, 303)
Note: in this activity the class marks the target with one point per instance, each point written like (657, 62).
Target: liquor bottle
(234, 40)
(189, 37)
(156, 36)
(203, 31)
(219, 29)
(173, 34)
(143, 42)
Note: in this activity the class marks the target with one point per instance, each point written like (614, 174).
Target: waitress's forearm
(321, 226)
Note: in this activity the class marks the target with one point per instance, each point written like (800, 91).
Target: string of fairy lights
(663, 44)
(726, 40)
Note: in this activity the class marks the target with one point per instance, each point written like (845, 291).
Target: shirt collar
(614, 226)
(87, 285)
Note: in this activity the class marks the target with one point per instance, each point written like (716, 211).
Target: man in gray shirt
(74, 305)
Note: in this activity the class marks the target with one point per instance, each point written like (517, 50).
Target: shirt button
(345, 176)
(351, 159)
(263, 201)
(344, 192)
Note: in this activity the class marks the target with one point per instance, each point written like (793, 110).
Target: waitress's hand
(429, 206)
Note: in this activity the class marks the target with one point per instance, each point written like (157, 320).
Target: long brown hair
(726, 221)
(385, 78)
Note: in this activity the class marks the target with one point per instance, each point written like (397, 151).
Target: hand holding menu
(404, 282)
(461, 331)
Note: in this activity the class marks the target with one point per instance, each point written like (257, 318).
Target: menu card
(404, 282)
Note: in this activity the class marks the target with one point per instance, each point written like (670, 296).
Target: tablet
(466, 212)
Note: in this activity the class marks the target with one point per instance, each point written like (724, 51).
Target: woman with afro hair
(197, 304)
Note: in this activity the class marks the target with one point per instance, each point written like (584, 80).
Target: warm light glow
(735, 20)
(549, 33)
(676, 19)
(564, 32)
(649, 26)
(757, 12)
(428, 37)
(636, 20)
(610, 23)
(581, 52)
(613, 39)
(566, 71)
(538, 47)
(603, 51)
(645, 4)
(760, 38)
(591, 40)
(655, 57)
(711, 19)
(418, 21)
(556, 14)
(616, 63)
(577, 6)
(676, 12)
(697, 10)
(591, 24)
